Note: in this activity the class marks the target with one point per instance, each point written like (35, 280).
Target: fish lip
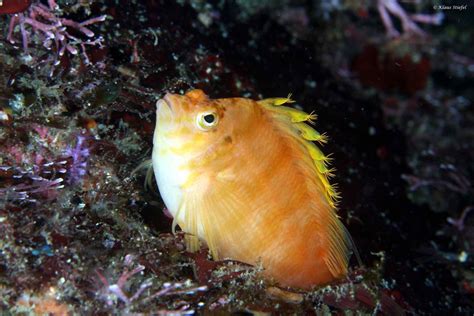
(167, 100)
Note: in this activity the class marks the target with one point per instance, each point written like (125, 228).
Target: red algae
(387, 72)
(14, 6)
(97, 242)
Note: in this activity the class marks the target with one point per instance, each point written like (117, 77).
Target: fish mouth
(164, 105)
(168, 98)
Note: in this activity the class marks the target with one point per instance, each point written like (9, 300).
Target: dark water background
(398, 110)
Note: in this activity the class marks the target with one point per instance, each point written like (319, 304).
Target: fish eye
(206, 120)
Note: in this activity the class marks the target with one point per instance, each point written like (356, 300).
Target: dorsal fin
(338, 239)
(307, 135)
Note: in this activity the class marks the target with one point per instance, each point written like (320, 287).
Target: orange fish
(245, 178)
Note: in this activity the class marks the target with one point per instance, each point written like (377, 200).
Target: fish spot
(228, 139)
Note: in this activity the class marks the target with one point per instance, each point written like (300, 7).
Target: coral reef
(80, 234)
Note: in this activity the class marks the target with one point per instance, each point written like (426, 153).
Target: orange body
(251, 185)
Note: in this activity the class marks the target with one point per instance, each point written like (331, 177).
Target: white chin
(170, 177)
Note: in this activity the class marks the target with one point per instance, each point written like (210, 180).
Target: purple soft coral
(79, 155)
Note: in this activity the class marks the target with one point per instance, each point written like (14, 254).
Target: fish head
(187, 116)
(195, 135)
(192, 124)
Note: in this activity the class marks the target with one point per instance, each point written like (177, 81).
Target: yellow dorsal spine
(277, 101)
(308, 136)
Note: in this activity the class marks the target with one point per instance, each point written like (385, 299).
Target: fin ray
(338, 239)
(338, 245)
(276, 101)
(203, 203)
(306, 136)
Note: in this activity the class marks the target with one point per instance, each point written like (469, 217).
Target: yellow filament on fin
(309, 133)
(330, 172)
(321, 167)
(307, 136)
(311, 117)
(281, 101)
(315, 152)
(330, 192)
(296, 115)
(321, 161)
(276, 101)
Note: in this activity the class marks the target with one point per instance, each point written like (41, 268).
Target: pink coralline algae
(29, 177)
(408, 22)
(53, 31)
(27, 187)
(118, 289)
